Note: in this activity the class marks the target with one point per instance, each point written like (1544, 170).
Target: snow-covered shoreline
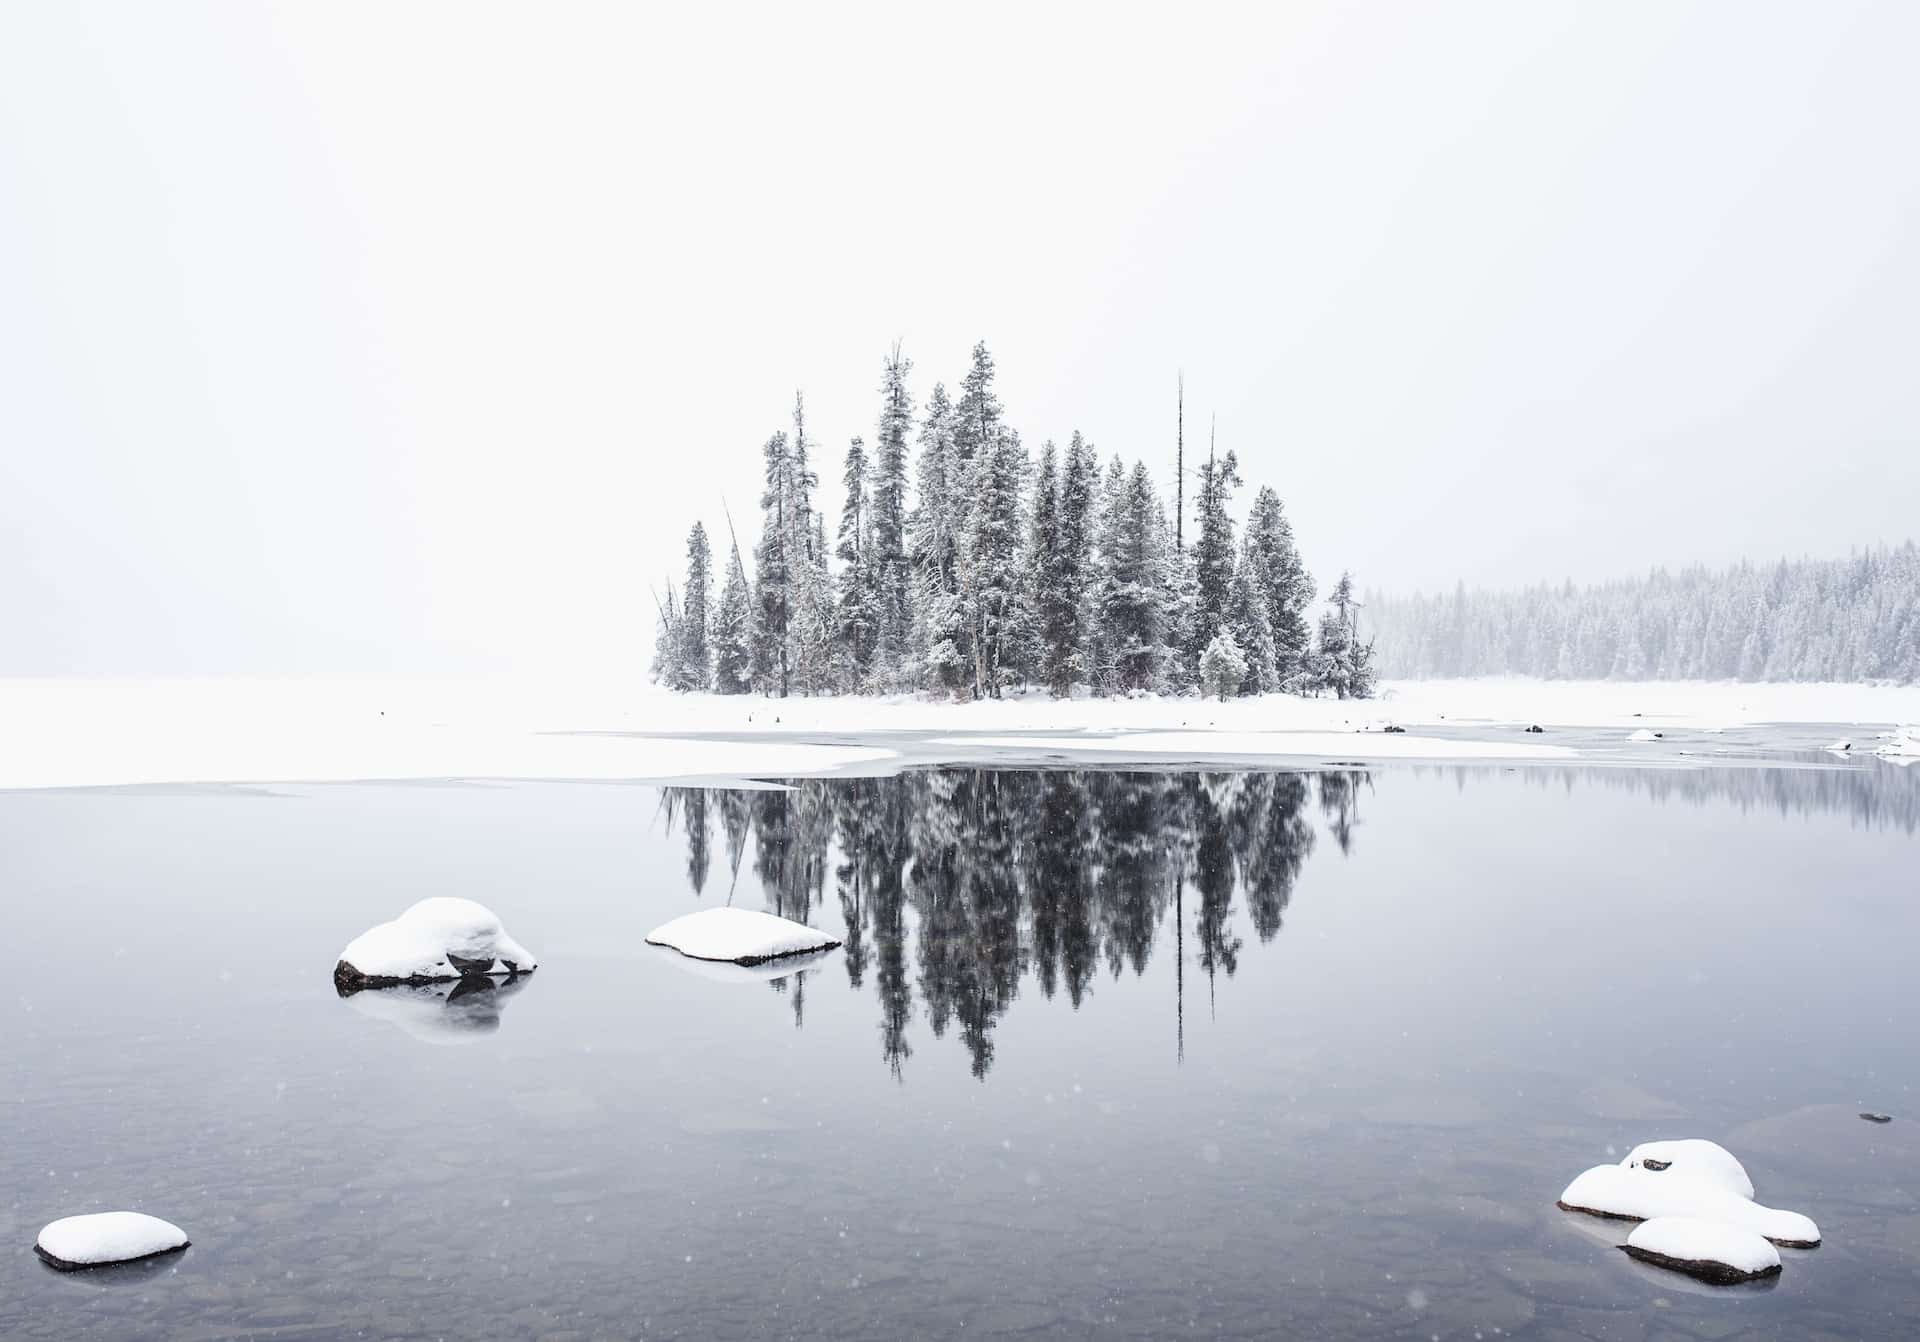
(56, 734)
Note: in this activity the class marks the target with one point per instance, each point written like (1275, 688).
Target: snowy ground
(102, 733)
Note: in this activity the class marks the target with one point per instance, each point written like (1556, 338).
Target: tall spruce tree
(990, 558)
(733, 631)
(1133, 564)
(942, 643)
(858, 598)
(1283, 580)
(1043, 570)
(1248, 622)
(771, 578)
(692, 671)
(892, 576)
(1214, 551)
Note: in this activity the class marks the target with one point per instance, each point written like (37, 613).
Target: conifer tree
(692, 669)
(771, 585)
(1223, 668)
(1214, 549)
(934, 534)
(892, 574)
(1283, 581)
(733, 631)
(1043, 573)
(990, 560)
(858, 598)
(1247, 620)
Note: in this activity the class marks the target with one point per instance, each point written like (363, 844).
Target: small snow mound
(1693, 1158)
(106, 1237)
(1644, 734)
(739, 935)
(1841, 747)
(1710, 1250)
(1643, 1194)
(435, 940)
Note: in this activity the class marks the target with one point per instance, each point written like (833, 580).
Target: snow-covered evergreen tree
(691, 669)
(939, 617)
(733, 631)
(892, 574)
(991, 564)
(1214, 548)
(1283, 581)
(773, 595)
(1250, 625)
(858, 606)
(1223, 667)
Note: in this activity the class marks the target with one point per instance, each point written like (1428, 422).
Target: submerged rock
(1872, 1117)
(104, 1238)
(434, 941)
(739, 935)
(1536, 727)
(1709, 1250)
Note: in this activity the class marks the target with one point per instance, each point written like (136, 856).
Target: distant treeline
(1854, 619)
(997, 571)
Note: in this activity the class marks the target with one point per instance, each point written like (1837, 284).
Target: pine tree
(1043, 575)
(771, 579)
(858, 600)
(1223, 668)
(990, 562)
(934, 534)
(733, 631)
(892, 574)
(1252, 630)
(667, 644)
(1343, 664)
(692, 669)
(1214, 550)
(1283, 581)
(1134, 564)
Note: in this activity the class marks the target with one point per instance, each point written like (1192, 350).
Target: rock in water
(1536, 727)
(75, 1242)
(740, 935)
(435, 940)
(1644, 734)
(1872, 1117)
(1709, 1250)
(1643, 1194)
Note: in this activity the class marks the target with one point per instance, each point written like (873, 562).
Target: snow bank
(101, 733)
(1642, 1194)
(742, 936)
(107, 1237)
(1705, 1249)
(1694, 1158)
(435, 940)
(1358, 745)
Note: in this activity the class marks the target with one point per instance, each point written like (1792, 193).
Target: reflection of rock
(439, 1013)
(434, 941)
(723, 971)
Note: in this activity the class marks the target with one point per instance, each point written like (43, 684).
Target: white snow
(419, 943)
(1692, 1240)
(743, 936)
(99, 733)
(1901, 743)
(1302, 745)
(108, 1237)
(1645, 734)
(1694, 1158)
(1642, 1194)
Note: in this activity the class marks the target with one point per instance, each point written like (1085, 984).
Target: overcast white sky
(367, 337)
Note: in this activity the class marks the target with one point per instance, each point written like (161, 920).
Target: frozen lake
(1105, 1053)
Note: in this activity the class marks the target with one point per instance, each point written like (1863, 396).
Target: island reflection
(997, 875)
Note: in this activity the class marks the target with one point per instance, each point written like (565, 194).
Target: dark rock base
(347, 979)
(1720, 1274)
(62, 1265)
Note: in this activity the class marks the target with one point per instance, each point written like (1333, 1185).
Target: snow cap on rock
(106, 1237)
(741, 935)
(436, 939)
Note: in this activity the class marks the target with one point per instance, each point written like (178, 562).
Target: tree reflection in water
(998, 875)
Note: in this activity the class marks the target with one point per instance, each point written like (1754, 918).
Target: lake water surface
(1105, 1053)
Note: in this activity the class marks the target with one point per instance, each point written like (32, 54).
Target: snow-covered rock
(1644, 734)
(435, 940)
(1902, 743)
(462, 1012)
(1841, 747)
(743, 936)
(106, 1237)
(1642, 1194)
(1710, 1250)
(1693, 1158)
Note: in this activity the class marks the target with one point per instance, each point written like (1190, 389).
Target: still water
(1105, 1053)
